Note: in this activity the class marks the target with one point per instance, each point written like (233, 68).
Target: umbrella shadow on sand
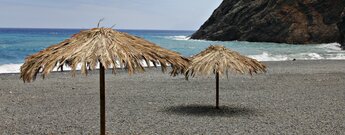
(208, 110)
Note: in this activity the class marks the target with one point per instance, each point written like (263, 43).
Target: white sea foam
(298, 56)
(269, 57)
(10, 68)
(178, 37)
(15, 68)
(339, 56)
(331, 47)
(311, 56)
(264, 56)
(185, 38)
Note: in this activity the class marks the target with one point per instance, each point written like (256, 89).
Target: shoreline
(293, 97)
(66, 69)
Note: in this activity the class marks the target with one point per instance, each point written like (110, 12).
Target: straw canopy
(109, 49)
(218, 59)
(105, 45)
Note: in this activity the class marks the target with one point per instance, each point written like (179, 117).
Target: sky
(124, 14)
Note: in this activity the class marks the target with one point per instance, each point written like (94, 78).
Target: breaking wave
(331, 47)
(265, 56)
(15, 68)
(300, 56)
(10, 68)
(178, 37)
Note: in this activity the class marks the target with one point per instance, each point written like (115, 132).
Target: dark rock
(281, 21)
(341, 26)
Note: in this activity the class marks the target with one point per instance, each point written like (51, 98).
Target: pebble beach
(293, 97)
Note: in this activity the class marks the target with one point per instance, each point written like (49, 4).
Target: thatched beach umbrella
(220, 60)
(106, 47)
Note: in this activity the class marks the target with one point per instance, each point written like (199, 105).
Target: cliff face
(282, 21)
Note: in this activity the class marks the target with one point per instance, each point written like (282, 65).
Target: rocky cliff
(281, 21)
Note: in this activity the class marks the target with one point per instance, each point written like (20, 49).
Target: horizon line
(90, 28)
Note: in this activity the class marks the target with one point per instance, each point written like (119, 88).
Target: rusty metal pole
(102, 98)
(217, 90)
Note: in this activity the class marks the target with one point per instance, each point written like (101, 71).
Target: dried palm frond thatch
(105, 45)
(109, 48)
(220, 60)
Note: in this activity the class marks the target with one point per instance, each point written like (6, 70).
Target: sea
(18, 43)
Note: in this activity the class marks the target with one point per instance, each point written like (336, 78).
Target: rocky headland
(280, 21)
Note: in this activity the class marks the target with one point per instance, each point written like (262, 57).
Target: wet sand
(293, 97)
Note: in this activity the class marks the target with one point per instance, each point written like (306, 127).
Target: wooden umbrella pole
(217, 90)
(102, 98)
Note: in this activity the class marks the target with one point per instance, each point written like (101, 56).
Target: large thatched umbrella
(109, 49)
(219, 60)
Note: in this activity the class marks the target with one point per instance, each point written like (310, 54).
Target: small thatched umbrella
(109, 49)
(219, 60)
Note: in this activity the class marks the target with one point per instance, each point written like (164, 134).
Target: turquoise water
(16, 44)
